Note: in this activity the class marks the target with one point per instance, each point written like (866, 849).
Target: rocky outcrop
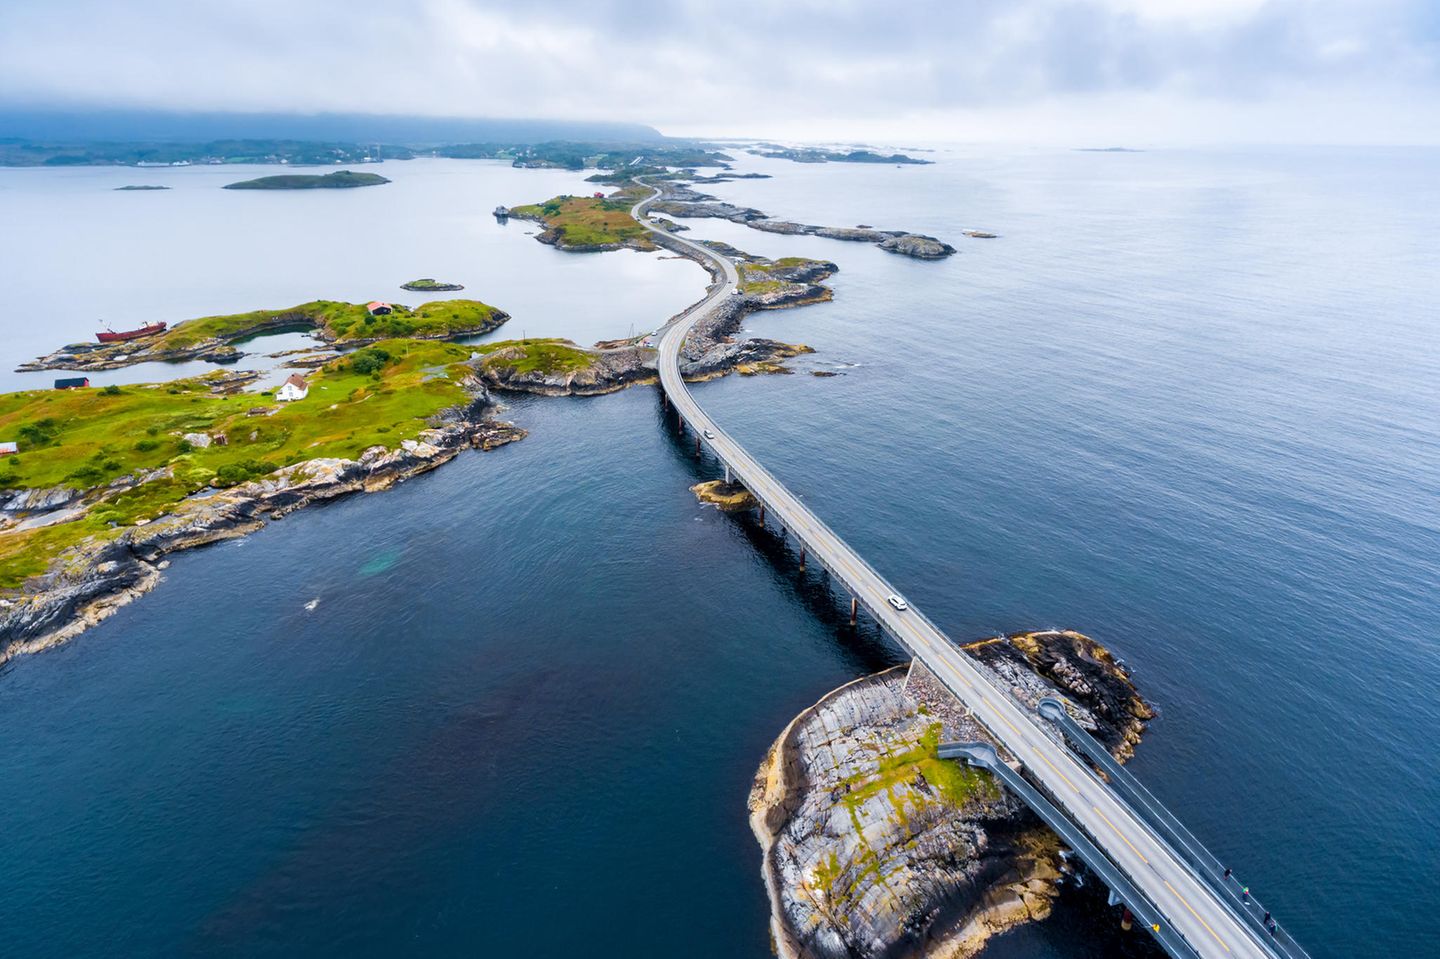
(608, 370)
(728, 497)
(872, 846)
(681, 201)
(100, 575)
(775, 284)
(556, 237)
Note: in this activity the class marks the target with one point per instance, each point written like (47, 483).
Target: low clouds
(1330, 70)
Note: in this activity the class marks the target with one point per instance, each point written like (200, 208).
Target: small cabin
(599, 195)
(72, 382)
(294, 388)
(8, 449)
(379, 309)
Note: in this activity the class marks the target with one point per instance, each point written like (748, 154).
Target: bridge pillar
(1127, 919)
(802, 559)
(762, 515)
(854, 611)
(727, 474)
(697, 447)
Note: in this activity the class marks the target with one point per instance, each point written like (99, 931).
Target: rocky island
(428, 285)
(339, 180)
(873, 846)
(833, 156)
(140, 187)
(682, 201)
(213, 338)
(589, 224)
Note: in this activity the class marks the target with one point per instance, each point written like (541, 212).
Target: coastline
(871, 846)
(92, 579)
(95, 580)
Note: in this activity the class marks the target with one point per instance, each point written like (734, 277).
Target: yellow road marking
(1058, 771)
(1002, 716)
(1195, 914)
(1124, 837)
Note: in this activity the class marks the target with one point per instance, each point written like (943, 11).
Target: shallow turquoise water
(1186, 404)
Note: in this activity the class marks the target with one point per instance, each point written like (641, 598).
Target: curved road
(1206, 923)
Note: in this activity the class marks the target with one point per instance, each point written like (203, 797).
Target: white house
(8, 449)
(295, 388)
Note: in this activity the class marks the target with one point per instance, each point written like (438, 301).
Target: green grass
(345, 322)
(86, 438)
(760, 277)
(543, 355)
(955, 782)
(587, 221)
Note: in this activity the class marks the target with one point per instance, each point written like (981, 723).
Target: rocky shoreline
(98, 577)
(874, 847)
(710, 350)
(684, 202)
(91, 357)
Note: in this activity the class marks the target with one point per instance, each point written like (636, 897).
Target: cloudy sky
(1143, 72)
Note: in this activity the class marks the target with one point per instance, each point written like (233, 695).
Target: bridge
(1187, 912)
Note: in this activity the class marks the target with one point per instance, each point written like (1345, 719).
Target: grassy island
(139, 187)
(339, 180)
(429, 285)
(342, 323)
(85, 439)
(211, 337)
(589, 223)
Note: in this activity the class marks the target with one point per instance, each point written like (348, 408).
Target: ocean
(1186, 403)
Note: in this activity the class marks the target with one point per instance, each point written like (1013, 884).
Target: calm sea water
(75, 251)
(1187, 404)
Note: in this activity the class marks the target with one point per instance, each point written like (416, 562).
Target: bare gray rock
(874, 847)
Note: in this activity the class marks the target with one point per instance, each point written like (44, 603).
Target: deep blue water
(1187, 404)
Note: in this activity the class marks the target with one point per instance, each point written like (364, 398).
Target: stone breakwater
(872, 846)
(683, 202)
(99, 576)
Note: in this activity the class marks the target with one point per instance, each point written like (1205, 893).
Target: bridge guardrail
(1184, 842)
(983, 755)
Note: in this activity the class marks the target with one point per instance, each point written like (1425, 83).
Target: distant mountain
(156, 126)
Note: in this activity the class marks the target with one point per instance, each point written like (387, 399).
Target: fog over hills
(158, 125)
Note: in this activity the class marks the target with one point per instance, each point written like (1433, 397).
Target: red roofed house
(378, 309)
(294, 388)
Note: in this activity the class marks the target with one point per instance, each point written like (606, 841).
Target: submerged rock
(875, 847)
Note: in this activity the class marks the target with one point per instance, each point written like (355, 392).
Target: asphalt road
(1206, 923)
